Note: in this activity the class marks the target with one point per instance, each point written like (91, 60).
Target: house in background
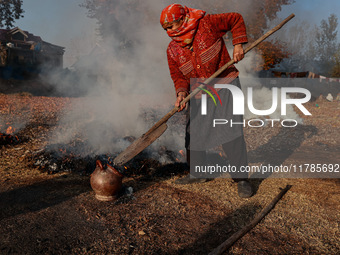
(23, 54)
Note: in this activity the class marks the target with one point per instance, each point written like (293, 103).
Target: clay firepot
(106, 183)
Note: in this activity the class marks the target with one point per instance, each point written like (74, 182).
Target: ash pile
(80, 158)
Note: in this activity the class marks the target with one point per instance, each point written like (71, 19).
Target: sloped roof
(17, 30)
(50, 46)
(4, 34)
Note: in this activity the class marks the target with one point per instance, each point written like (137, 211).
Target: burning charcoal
(8, 139)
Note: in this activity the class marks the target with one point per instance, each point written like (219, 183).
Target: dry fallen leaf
(141, 233)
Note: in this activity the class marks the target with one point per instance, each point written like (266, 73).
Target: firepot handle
(158, 129)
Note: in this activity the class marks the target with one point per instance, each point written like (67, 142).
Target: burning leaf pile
(79, 154)
(8, 136)
(25, 118)
(62, 158)
(72, 158)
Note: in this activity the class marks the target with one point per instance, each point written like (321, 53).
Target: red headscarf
(185, 34)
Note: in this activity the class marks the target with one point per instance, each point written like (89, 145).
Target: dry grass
(43, 213)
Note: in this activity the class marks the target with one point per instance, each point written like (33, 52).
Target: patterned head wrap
(184, 35)
(171, 13)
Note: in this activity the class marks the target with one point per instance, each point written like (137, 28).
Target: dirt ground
(58, 213)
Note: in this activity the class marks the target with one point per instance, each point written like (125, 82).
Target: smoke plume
(125, 84)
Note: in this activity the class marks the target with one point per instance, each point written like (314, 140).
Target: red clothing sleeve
(232, 22)
(180, 82)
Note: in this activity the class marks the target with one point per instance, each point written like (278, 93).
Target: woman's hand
(180, 97)
(238, 52)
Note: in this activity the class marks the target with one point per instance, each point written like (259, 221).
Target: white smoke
(122, 84)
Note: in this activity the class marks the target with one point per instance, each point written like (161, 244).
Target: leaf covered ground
(58, 213)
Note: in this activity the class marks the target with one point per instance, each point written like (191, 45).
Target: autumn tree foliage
(10, 10)
(117, 15)
(336, 68)
(273, 51)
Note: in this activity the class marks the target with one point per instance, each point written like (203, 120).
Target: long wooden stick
(231, 240)
(219, 71)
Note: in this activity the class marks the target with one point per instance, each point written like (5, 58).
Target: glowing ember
(10, 130)
(182, 153)
(181, 156)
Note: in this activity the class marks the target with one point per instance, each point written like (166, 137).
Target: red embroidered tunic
(209, 51)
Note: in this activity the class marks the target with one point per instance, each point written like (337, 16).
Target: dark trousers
(236, 152)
